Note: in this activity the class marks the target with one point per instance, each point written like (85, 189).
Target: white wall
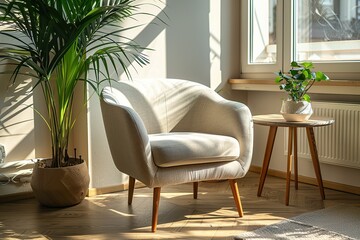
(199, 42)
(17, 119)
(17, 124)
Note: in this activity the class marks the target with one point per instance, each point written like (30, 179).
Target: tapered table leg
(267, 157)
(315, 159)
(288, 170)
(295, 159)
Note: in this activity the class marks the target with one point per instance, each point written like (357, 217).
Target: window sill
(342, 87)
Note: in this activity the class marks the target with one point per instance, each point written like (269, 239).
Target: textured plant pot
(60, 187)
(296, 111)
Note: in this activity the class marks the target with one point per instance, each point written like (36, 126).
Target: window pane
(327, 30)
(262, 31)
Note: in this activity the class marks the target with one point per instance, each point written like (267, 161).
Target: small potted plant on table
(297, 83)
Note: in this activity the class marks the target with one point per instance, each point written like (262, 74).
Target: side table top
(278, 120)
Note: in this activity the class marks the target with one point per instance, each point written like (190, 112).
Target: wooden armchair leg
(131, 189)
(195, 189)
(156, 201)
(235, 192)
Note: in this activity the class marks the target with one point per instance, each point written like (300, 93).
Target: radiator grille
(339, 143)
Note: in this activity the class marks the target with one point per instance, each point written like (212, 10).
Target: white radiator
(337, 144)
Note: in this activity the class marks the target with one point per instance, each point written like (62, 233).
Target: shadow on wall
(190, 49)
(201, 41)
(16, 118)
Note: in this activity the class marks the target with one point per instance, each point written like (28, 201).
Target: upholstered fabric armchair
(168, 131)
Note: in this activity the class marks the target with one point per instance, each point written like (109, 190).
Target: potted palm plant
(57, 43)
(297, 107)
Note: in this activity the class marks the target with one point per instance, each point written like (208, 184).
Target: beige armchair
(168, 131)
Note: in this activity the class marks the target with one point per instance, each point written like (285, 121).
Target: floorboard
(212, 216)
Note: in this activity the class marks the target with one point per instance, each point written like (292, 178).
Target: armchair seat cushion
(186, 148)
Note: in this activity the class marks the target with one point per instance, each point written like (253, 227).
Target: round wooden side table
(276, 120)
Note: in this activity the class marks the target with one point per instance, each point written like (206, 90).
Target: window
(263, 31)
(326, 32)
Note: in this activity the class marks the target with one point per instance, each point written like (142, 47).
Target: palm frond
(60, 42)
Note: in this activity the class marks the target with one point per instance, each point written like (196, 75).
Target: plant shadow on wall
(17, 119)
(60, 44)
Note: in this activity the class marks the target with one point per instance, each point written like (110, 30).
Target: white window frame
(346, 70)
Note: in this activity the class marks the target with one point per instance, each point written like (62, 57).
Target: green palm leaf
(59, 42)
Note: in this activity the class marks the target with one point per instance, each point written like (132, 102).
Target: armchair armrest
(128, 140)
(213, 114)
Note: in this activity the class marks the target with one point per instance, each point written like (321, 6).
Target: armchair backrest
(161, 104)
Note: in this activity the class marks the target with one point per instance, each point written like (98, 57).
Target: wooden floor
(212, 216)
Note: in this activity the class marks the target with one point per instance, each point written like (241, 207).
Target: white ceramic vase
(296, 111)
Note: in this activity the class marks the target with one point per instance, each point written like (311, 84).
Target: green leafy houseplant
(59, 43)
(299, 81)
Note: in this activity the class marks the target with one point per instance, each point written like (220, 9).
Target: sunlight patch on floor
(121, 213)
(220, 213)
(169, 195)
